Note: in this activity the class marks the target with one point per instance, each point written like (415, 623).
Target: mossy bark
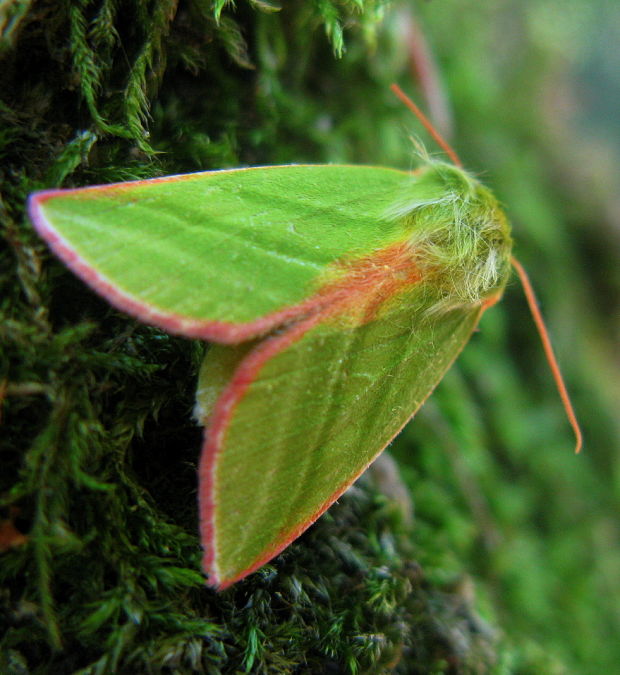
(98, 446)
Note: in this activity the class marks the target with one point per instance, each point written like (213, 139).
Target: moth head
(458, 234)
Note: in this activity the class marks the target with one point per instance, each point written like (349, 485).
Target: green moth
(336, 298)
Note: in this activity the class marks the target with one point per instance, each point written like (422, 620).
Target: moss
(98, 448)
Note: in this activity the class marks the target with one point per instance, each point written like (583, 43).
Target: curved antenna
(546, 342)
(439, 139)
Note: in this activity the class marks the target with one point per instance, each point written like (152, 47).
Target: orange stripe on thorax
(368, 283)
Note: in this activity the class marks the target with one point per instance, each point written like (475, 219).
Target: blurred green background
(507, 520)
(533, 88)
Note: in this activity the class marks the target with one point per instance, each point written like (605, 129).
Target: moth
(335, 298)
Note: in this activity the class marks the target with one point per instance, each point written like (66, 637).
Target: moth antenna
(546, 342)
(439, 139)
